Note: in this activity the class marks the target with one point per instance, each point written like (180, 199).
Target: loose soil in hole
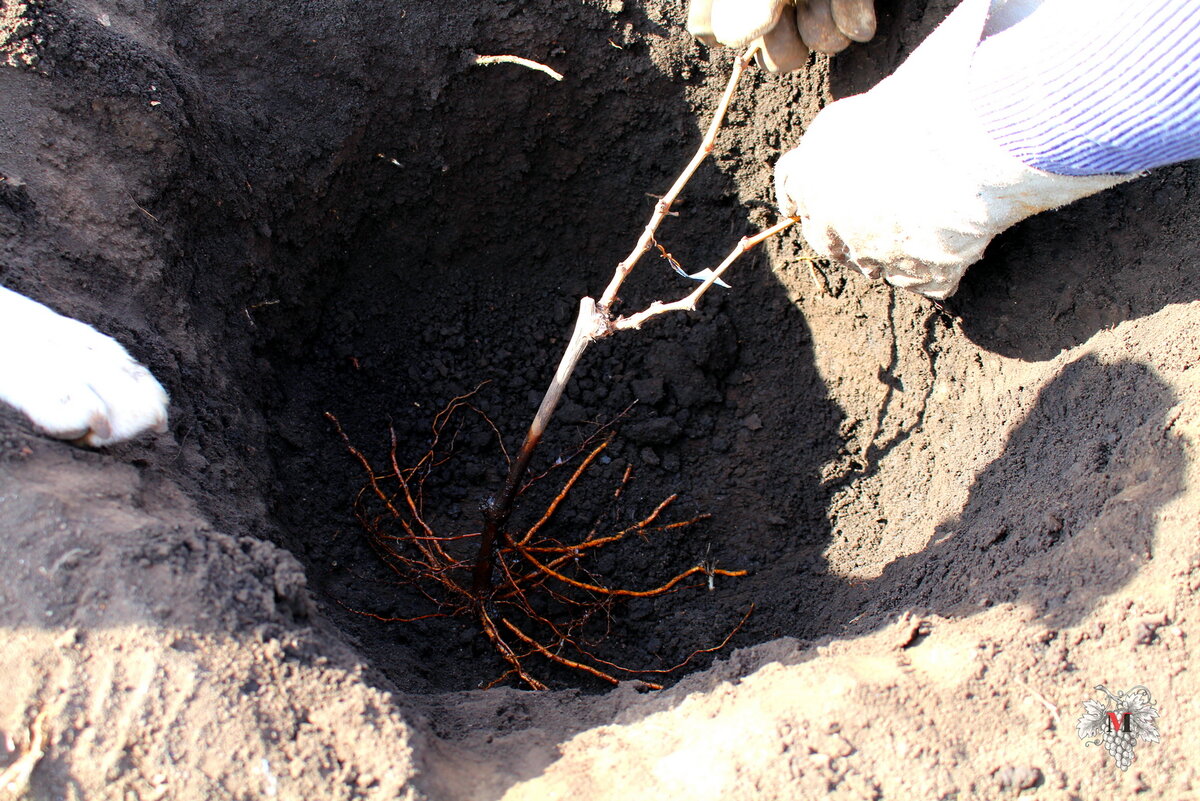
(956, 522)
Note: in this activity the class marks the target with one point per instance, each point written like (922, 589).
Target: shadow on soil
(1065, 515)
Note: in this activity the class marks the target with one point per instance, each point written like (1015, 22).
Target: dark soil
(286, 210)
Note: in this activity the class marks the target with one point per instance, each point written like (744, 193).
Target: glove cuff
(1113, 90)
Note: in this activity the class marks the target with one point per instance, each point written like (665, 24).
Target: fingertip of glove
(787, 204)
(699, 22)
(784, 203)
(854, 18)
(738, 24)
(781, 50)
(814, 20)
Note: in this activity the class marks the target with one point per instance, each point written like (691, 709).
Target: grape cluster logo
(1119, 722)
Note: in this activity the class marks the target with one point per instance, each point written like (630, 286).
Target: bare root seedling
(531, 592)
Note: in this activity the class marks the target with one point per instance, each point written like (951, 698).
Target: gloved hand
(904, 182)
(72, 381)
(788, 29)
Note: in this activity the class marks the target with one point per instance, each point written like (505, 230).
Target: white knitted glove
(903, 182)
(72, 381)
(785, 29)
